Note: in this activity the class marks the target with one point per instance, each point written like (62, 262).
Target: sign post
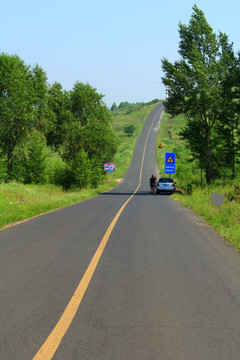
(170, 160)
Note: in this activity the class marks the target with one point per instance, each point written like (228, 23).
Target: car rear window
(164, 180)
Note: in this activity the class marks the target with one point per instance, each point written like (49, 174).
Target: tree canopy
(197, 85)
(37, 118)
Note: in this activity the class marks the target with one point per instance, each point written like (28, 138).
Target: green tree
(97, 173)
(129, 129)
(3, 167)
(194, 84)
(98, 139)
(29, 159)
(72, 139)
(81, 169)
(43, 116)
(16, 104)
(114, 106)
(229, 119)
(89, 129)
(59, 104)
(125, 105)
(63, 175)
(82, 133)
(86, 102)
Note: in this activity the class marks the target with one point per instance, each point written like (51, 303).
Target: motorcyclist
(152, 183)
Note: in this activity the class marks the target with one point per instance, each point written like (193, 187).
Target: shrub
(81, 169)
(97, 173)
(129, 129)
(63, 176)
(53, 162)
(234, 193)
(3, 168)
(29, 160)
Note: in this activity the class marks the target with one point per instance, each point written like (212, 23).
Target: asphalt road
(164, 285)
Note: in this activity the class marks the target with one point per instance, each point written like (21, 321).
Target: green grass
(19, 202)
(225, 219)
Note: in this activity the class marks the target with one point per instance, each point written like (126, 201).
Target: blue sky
(115, 46)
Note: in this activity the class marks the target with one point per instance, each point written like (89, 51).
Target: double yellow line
(50, 346)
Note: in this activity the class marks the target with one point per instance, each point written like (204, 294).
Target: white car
(165, 184)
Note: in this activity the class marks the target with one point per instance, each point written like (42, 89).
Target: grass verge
(19, 202)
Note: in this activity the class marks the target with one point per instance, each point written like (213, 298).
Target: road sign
(110, 167)
(170, 163)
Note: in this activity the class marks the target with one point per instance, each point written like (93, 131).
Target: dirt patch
(179, 190)
(118, 180)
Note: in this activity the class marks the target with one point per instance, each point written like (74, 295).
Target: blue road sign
(170, 163)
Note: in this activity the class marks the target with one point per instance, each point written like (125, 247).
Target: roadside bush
(63, 176)
(97, 173)
(129, 129)
(53, 162)
(3, 168)
(234, 193)
(81, 169)
(80, 173)
(29, 160)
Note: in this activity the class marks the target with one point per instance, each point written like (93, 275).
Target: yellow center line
(50, 346)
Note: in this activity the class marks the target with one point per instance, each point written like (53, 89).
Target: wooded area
(204, 85)
(48, 134)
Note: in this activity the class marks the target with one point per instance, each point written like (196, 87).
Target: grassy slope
(19, 202)
(225, 219)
